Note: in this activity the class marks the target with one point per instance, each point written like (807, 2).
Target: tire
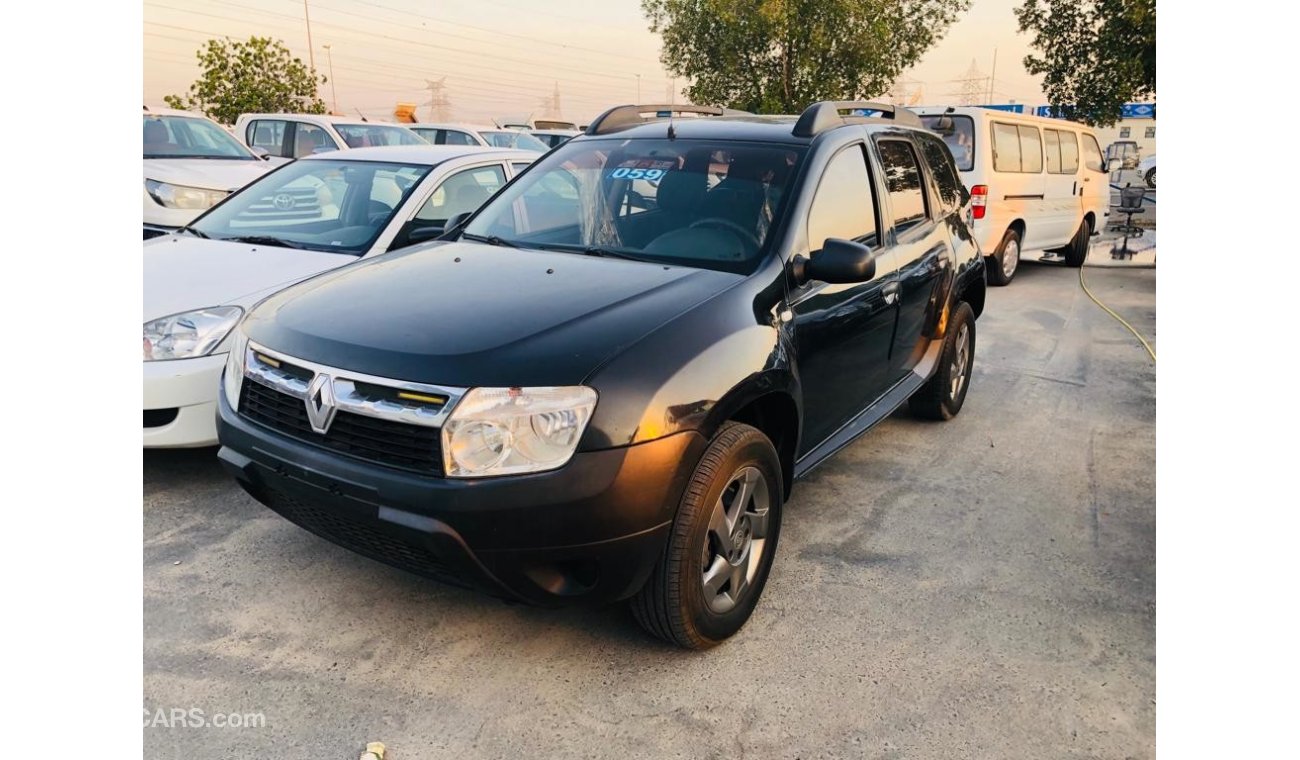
(1077, 252)
(1150, 178)
(1005, 260)
(685, 601)
(943, 395)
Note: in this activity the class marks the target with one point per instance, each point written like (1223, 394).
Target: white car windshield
(691, 202)
(330, 205)
(370, 135)
(188, 137)
(510, 138)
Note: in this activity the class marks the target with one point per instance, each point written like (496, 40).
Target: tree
(778, 56)
(1095, 55)
(258, 76)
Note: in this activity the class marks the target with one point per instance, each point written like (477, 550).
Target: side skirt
(872, 415)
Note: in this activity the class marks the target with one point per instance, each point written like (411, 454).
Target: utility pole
(311, 51)
(329, 55)
(994, 74)
(638, 86)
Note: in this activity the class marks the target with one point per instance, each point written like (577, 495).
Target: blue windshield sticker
(625, 172)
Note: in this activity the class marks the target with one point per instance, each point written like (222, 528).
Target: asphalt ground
(981, 588)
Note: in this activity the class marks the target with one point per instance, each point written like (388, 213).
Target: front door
(843, 332)
(1096, 182)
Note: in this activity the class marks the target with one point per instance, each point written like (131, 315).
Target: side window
(937, 155)
(519, 167)
(1031, 150)
(267, 134)
(1125, 131)
(1052, 148)
(903, 180)
(465, 190)
(844, 206)
(309, 139)
(454, 137)
(1092, 154)
(1069, 153)
(1150, 132)
(1006, 148)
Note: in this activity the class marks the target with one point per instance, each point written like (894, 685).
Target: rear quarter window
(938, 156)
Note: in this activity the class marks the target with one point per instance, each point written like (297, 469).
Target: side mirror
(457, 220)
(261, 153)
(421, 234)
(839, 261)
(1114, 164)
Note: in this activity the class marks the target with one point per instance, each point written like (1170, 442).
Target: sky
(505, 57)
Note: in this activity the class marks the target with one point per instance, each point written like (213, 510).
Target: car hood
(207, 173)
(465, 314)
(182, 272)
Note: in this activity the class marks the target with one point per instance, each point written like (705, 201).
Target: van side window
(1052, 149)
(903, 180)
(936, 154)
(1069, 153)
(844, 206)
(1092, 154)
(1031, 150)
(1006, 148)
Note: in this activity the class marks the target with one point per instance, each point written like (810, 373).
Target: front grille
(415, 448)
(361, 537)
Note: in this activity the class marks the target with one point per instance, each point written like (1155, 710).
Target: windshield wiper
(489, 239)
(264, 240)
(193, 231)
(604, 253)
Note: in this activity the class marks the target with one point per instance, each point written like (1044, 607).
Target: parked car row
(586, 376)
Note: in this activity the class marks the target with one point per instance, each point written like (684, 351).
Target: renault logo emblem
(320, 403)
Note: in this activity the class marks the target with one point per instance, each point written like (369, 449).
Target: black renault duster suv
(605, 382)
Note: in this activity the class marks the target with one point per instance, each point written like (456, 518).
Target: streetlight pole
(311, 51)
(329, 55)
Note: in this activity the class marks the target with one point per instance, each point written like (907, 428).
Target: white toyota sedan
(314, 214)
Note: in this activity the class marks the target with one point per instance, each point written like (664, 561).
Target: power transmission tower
(973, 86)
(439, 105)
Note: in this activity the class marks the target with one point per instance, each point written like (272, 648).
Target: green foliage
(258, 76)
(778, 56)
(1095, 55)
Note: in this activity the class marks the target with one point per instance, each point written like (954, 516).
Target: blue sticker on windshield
(626, 172)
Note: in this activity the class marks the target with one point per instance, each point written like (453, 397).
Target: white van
(1036, 184)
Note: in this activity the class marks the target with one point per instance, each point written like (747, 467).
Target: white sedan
(314, 214)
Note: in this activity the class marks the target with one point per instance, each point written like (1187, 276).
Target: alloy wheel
(733, 547)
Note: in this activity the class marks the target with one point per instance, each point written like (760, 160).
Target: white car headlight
(508, 431)
(190, 334)
(179, 196)
(232, 379)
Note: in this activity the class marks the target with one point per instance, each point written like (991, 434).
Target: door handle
(891, 293)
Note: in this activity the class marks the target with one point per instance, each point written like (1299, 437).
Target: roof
(996, 113)
(323, 119)
(429, 155)
(749, 127)
(567, 132)
(455, 125)
(174, 112)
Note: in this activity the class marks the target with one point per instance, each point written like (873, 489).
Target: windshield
(330, 205)
(691, 202)
(370, 135)
(509, 138)
(189, 137)
(959, 133)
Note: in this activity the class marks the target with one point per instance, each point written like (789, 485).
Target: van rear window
(959, 133)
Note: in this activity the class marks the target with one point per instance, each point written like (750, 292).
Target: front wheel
(1151, 178)
(1077, 252)
(942, 396)
(715, 564)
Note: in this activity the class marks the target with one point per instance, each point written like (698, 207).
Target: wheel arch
(772, 410)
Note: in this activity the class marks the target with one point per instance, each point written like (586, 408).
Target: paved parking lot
(983, 588)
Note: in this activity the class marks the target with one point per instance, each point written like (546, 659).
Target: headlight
(232, 380)
(507, 431)
(187, 335)
(179, 196)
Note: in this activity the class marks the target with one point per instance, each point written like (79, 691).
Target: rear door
(922, 248)
(1061, 149)
(843, 332)
(1016, 186)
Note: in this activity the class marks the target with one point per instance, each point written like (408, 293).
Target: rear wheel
(715, 564)
(1077, 252)
(1006, 259)
(1151, 178)
(941, 398)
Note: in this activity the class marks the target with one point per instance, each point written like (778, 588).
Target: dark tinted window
(936, 155)
(903, 180)
(959, 133)
(843, 207)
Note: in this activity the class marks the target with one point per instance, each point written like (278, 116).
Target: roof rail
(622, 117)
(819, 117)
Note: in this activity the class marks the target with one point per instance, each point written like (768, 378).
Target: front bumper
(589, 532)
(190, 387)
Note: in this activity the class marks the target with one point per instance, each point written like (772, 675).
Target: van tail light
(979, 196)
